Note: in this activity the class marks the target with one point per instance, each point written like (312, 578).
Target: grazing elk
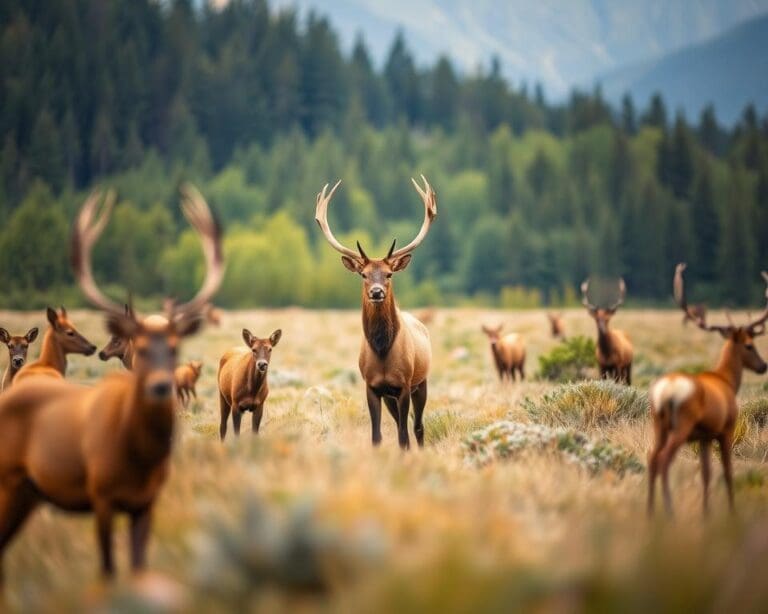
(395, 353)
(18, 346)
(61, 338)
(697, 311)
(556, 325)
(508, 352)
(614, 349)
(702, 407)
(185, 378)
(243, 381)
(105, 448)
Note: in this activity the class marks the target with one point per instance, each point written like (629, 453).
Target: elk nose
(377, 293)
(262, 365)
(102, 355)
(161, 390)
(18, 361)
(90, 351)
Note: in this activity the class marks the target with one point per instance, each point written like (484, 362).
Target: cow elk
(106, 448)
(243, 381)
(18, 346)
(185, 379)
(508, 352)
(614, 349)
(395, 353)
(60, 339)
(556, 325)
(701, 408)
(119, 347)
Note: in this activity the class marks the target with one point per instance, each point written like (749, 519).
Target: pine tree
(706, 225)
(444, 95)
(657, 113)
(628, 119)
(737, 255)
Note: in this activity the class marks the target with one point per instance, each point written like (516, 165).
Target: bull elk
(614, 349)
(508, 352)
(556, 325)
(185, 379)
(105, 448)
(18, 346)
(395, 353)
(60, 339)
(702, 408)
(243, 381)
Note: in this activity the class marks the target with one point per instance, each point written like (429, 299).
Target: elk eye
(70, 333)
(389, 275)
(749, 346)
(363, 275)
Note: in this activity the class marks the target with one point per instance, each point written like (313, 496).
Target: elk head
(116, 346)
(493, 333)
(18, 346)
(602, 315)
(67, 336)
(261, 348)
(377, 273)
(742, 337)
(155, 339)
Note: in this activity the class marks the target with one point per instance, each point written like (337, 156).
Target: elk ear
(399, 264)
(31, 335)
(53, 317)
(353, 265)
(275, 337)
(247, 337)
(5, 336)
(121, 326)
(62, 311)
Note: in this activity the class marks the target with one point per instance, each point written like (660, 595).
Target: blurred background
(563, 139)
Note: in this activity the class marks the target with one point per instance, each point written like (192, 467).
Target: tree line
(261, 108)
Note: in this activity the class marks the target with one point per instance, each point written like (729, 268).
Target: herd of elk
(105, 448)
(395, 352)
(614, 349)
(701, 408)
(243, 381)
(508, 352)
(185, 380)
(18, 347)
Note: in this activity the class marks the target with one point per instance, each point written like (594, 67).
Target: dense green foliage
(569, 361)
(260, 111)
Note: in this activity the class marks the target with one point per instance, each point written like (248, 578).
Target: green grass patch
(569, 361)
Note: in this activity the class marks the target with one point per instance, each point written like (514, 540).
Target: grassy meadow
(308, 516)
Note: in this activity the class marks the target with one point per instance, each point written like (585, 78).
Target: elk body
(105, 448)
(702, 408)
(614, 350)
(185, 378)
(395, 352)
(60, 339)
(556, 325)
(243, 381)
(18, 346)
(508, 352)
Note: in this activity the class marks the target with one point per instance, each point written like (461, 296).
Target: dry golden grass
(535, 532)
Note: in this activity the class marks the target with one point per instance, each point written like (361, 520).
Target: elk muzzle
(159, 385)
(17, 362)
(262, 366)
(377, 293)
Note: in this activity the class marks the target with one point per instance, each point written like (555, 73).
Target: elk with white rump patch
(702, 408)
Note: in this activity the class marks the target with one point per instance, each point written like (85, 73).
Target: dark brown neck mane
(150, 427)
(497, 356)
(380, 323)
(605, 341)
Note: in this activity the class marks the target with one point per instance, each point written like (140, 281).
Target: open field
(425, 529)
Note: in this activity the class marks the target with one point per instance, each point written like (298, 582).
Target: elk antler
(622, 295)
(613, 307)
(678, 287)
(757, 327)
(321, 217)
(585, 297)
(87, 229)
(429, 198)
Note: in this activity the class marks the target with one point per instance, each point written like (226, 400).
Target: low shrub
(569, 361)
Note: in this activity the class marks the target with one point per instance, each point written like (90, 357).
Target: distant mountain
(728, 71)
(560, 43)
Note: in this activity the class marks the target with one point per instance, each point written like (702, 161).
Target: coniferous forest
(260, 109)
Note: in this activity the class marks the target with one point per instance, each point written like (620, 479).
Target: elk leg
(674, 441)
(103, 510)
(404, 406)
(521, 371)
(258, 412)
(704, 458)
(141, 523)
(225, 408)
(391, 404)
(628, 374)
(511, 374)
(16, 504)
(193, 392)
(419, 398)
(374, 408)
(726, 442)
(237, 416)
(653, 462)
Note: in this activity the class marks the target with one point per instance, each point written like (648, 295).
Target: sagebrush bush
(569, 361)
(505, 439)
(588, 404)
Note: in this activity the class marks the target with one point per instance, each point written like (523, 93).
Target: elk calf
(508, 352)
(60, 339)
(185, 377)
(243, 381)
(18, 346)
(702, 408)
(556, 325)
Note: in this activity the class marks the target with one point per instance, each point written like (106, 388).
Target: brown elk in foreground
(243, 381)
(395, 353)
(614, 349)
(60, 339)
(185, 379)
(508, 352)
(556, 325)
(18, 346)
(105, 448)
(702, 408)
